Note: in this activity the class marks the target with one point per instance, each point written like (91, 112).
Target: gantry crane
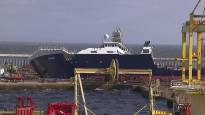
(113, 71)
(196, 24)
(193, 87)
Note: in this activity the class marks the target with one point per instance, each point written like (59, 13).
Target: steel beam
(199, 44)
(107, 71)
(191, 47)
(183, 55)
(199, 28)
(76, 93)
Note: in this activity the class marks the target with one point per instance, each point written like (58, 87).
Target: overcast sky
(86, 21)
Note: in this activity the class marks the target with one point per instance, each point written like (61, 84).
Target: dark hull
(104, 61)
(53, 66)
(56, 65)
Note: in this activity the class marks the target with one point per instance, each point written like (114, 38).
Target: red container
(62, 108)
(24, 106)
(24, 111)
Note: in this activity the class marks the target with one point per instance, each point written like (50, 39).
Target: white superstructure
(114, 46)
(147, 49)
(106, 48)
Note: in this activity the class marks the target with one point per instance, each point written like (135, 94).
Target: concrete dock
(39, 85)
(34, 85)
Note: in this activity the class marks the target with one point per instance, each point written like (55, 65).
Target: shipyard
(51, 64)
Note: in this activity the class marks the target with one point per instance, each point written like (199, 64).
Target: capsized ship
(59, 63)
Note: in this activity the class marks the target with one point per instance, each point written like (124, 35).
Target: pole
(183, 56)
(151, 106)
(76, 93)
(82, 94)
(190, 47)
(199, 45)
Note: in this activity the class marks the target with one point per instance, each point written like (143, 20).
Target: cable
(196, 6)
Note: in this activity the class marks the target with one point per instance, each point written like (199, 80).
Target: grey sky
(85, 21)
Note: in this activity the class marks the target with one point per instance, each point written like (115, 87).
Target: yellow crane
(194, 87)
(195, 24)
(113, 71)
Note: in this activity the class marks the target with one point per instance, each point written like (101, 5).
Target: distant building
(18, 60)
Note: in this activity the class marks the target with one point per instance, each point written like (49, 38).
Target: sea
(102, 102)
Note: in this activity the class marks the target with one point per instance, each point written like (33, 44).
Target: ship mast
(117, 35)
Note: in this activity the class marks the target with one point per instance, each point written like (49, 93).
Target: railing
(194, 87)
(49, 50)
(184, 99)
(176, 84)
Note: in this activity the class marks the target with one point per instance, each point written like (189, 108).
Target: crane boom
(196, 7)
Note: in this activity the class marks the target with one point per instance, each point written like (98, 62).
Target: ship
(60, 63)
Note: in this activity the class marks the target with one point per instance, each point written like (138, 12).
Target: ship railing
(53, 49)
(48, 50)
(183, 99)
(176, 84)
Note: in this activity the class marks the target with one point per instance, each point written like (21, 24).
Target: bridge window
(93, 51)
(145, 50)
(110, 52)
